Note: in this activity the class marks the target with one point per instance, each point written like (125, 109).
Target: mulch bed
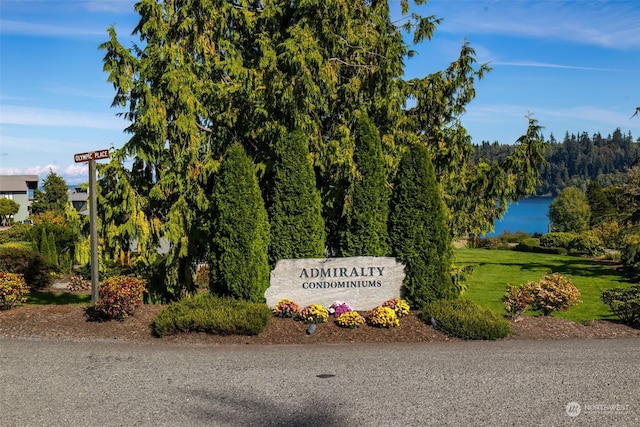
(68, 322)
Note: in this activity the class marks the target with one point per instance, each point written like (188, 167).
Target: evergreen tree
(53, 250)
(418, 230)
(367, 203)
(54, 196)
(239, 230)
(47, 246)
(601, 209)
(297, 226)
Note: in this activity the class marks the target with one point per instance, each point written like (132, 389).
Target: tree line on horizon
(575, 161)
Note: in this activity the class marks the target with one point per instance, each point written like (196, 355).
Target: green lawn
(57, 298)
(494, 269)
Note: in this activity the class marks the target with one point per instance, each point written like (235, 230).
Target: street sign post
(91, 157)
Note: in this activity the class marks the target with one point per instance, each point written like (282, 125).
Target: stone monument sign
(363, 282)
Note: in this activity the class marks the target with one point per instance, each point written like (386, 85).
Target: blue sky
(574, 65)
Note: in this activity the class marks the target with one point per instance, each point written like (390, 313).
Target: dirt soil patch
(68, 323)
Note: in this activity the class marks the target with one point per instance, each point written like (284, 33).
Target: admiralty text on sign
(363, 282)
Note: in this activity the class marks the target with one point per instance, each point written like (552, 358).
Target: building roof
(77, 196)
(15, 183)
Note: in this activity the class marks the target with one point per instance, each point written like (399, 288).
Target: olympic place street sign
(92, 155)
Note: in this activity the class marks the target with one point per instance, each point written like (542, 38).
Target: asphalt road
(518, 383)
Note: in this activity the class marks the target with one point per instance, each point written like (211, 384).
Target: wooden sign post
(91, 157)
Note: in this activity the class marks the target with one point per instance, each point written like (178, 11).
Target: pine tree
(297, 226)
(239, 230)
(418, 230)
(367, 206)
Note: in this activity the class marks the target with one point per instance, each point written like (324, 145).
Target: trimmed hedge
(557, 239)
(465, 319)
(533, 245)
(212, 314)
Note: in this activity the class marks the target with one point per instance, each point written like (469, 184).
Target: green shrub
(630, 255)
(516, 237)
(465, 319)
(34, 268)
(557, 239)
(587, 243)
(17, 233)
(212, 314)
(119, 296)
(610, 233)
(491, 243)
(625, 303)
(529, 245)
(526, 247)
(18, 245)
(13, 289)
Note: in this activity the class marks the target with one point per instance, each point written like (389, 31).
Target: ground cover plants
(205, 312)
(463, 318)
(494, 269)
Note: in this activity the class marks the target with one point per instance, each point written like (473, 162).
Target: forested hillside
(576, 160)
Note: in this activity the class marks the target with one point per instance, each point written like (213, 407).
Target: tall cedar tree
(367, 204)
(418, 230)
(297, 226)
(239, 230)
(208, 73)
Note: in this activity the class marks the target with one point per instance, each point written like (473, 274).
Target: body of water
(530, 215)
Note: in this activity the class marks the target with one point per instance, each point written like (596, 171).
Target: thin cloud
(535, 64)
(28, 116)
(34, 29)
(610, 24)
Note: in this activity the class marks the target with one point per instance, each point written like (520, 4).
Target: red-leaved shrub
(119, 297)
